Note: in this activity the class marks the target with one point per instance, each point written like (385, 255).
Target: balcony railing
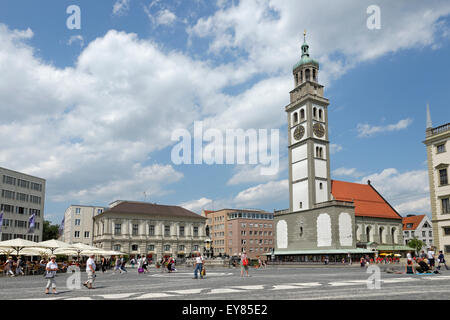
(441, 129)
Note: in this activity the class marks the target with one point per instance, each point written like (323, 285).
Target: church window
(295, 117)
(314, 112)
(302, 114)
(381, 235)
(307, 74)
(393, 235)
(320, 114)
(368, 234)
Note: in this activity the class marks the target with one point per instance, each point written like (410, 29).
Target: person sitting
(423, 266)
(409, 267)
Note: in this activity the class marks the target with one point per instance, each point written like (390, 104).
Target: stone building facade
(438, 153)
(149, 229)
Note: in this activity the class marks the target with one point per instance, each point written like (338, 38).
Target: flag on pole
(31, 223)
(61, 227)
(1, 220)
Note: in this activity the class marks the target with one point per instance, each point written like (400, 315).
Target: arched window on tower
(314, 75)
(296, 79)
(314, 113)
(302, 115)
(320, 114)
(307, 74)
(301, 76)
(295, 117)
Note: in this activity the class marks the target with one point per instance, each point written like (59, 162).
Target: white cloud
(262, 194)
(335, 148)
(366, 130)
(408, 192)
(120, 7)
(165, 17)
(76, 38)
(197, 205)
(351, 172)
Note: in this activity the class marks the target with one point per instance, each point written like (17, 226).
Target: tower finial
(304, 36)
(429, 123)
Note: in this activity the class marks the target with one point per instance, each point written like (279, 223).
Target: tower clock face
(299, 132)
(319, 130)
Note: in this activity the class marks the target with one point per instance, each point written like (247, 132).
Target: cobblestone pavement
(272, 283)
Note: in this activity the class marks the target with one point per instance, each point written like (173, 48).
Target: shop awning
(326, 251)
(393, 248)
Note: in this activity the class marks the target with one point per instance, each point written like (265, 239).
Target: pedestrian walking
(145, 264)
(8, 265)
(50, 274)
(430, 257)
(103, 263)
(122, 264)
(198, 266)
(132, 262)
(117, 266)
(244, 263)
(19, 266)
(441, 259)
(90, 270)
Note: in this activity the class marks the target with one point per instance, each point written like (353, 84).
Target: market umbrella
(55, 244)
(36, 252)
(76, 249)
(18, 244)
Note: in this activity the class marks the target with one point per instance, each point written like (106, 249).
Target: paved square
(272, 283)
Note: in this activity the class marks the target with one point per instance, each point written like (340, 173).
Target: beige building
(79, 223)
(234, 230)
(145, 228)
(22, 196)
(438, 154)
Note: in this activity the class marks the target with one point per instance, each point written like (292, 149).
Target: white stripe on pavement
(188, 291)
(224, 290)
(155, 295)
(307, 284)
(117, 295)
(255, 287)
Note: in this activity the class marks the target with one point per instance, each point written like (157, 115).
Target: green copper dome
(305, 57)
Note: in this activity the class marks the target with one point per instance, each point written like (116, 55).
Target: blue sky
(92, 110)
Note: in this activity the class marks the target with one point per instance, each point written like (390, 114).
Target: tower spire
(429, 123)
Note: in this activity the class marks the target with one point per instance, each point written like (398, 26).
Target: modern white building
(79, 223)
(22, 195)
(419, 227)
(438, 154)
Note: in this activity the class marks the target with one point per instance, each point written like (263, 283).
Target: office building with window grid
(22, 195)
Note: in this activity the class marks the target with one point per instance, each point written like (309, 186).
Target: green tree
(416, 244)
(50, 231)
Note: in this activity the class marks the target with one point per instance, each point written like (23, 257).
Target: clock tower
(309, 152)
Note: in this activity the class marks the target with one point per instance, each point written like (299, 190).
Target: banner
(31, 224)
(1, 220)
(61, 228)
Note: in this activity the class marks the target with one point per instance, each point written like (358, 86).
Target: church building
(326, 217)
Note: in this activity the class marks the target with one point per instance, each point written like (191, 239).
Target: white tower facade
(309, 162)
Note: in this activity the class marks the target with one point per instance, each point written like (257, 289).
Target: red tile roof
(368, 202)
(414, 220)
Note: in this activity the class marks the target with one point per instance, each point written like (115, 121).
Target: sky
(92, 109)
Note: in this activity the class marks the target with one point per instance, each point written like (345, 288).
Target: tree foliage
(50, 231)
(416, 244)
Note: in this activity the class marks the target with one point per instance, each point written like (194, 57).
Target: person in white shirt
(90, 270)
(50, 274)
(430, 257)
(408, 256)
(198, 266)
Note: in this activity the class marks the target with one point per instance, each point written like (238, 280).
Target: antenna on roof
(368, 182)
